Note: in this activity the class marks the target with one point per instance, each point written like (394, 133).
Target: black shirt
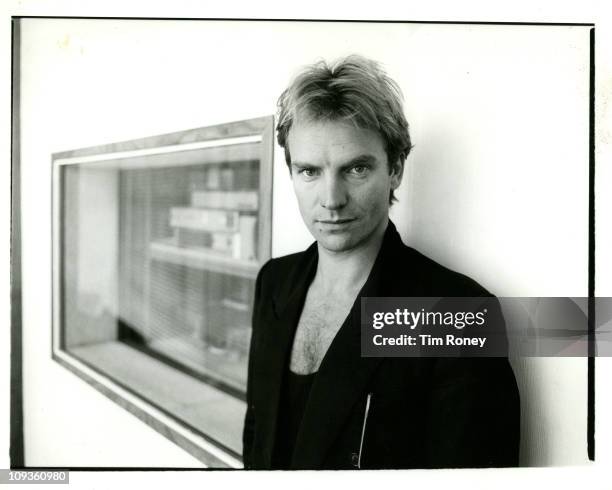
(294, 396)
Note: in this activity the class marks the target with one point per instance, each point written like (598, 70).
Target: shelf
(204, 260)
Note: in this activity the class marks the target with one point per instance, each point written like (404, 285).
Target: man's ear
(397, 171)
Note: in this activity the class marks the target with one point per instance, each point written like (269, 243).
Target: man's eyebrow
(364, 159)
(302, 164)
(358, 160)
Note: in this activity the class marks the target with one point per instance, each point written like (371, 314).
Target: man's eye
(308, 172)
(359, 170)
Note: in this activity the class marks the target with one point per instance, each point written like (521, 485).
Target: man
(313, 401)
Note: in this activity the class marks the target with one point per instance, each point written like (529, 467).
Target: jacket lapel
(343, 376)
(277, 343)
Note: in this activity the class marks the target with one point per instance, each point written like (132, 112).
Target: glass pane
(162, 253)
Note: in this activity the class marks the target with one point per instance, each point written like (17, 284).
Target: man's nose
(333, 194)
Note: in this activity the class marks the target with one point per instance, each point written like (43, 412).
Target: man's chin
(336, 243)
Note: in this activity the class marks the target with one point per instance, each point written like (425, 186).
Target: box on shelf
(240, 244)
(204, 219)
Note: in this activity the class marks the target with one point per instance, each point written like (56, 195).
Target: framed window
(156, 246)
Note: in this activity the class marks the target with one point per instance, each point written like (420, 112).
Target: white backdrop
(496, 186)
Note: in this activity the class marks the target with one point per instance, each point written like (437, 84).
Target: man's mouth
(336, 221)
(335, 225)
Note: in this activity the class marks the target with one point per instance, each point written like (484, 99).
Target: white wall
(496, 185)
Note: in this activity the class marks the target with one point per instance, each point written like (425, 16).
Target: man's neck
(338, 272)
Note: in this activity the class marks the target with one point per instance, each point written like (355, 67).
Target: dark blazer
(423, 412)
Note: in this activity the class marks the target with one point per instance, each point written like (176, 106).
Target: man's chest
(319, 323)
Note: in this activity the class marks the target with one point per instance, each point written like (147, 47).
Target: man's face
(342, 182)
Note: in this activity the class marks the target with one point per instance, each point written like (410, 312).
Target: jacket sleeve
(249, 422)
